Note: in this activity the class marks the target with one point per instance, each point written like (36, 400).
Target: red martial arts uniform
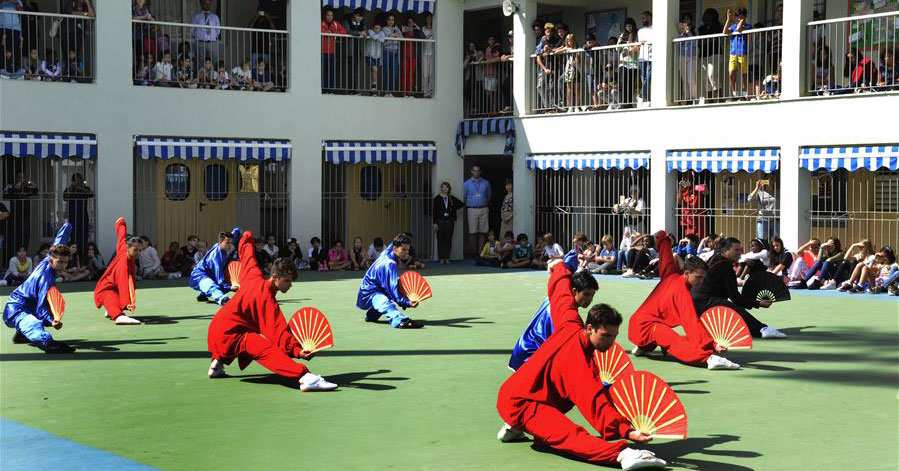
(560, 375)
(251, 326)
(113, 290)
(670, 305)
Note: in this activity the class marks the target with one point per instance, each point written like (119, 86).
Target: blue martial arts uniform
(208, 277)
(27, 309)
(380, 294)
(541, 326)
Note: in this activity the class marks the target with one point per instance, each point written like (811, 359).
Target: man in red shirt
(251, 326)
(561, 375)
(670, 305)
(115, 289)
(329, 44)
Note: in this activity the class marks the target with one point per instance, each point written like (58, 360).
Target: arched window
(370, 185)
(177, 182)
(215, 185)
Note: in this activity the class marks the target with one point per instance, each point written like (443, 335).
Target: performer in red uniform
(251, 326)
(670, 305)
(562, 374)
(115, 289)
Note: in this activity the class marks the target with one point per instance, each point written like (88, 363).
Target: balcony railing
(488, 88)
(728, 67)
(377, 66)
(853, 55)
(48, 47)
(602, 78)
(216, 57)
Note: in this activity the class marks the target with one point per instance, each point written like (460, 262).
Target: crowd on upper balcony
(488, 77)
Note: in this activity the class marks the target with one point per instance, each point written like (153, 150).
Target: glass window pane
(216, 182)
(370, 185)
(177, 182)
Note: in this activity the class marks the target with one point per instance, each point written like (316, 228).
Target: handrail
(54, 15)
(386, 39)
(491, 62)
(191, 25)
(602, 48)
(724, 35)
(853, 18)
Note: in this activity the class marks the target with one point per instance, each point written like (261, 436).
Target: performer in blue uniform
(28, 311)
(208, 277)
(379, 294)
(583, 285)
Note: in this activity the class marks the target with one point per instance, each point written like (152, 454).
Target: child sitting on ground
(538, 260)
(19, 270)
(375, 249)
(318, 257)
(522, 253)
(358, 256)
(551, 251)
(490, 253)
(604, 261)
(506, 248)
(338, 257)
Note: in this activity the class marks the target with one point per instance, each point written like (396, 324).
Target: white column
(524, 188)
(795, 201)
(524, 45)
(664, 24)
(797, 14)
(662, 199)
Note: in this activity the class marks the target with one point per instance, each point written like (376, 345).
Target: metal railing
(727, 67)
(602, 78)
(853, 55)
(377, 65)
(488, 88)
(185, 55)
(48, 47)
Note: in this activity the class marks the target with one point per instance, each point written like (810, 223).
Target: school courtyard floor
(137, 397)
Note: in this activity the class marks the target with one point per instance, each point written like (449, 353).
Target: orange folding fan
(612, 363)
(415, 287)
(234, 273)
(727, 328)
(650, 405)
(56, 302)
(311, 329)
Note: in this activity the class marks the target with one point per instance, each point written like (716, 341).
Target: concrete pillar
(524, 45)
(795, 221)
(524, 187)
(664, 26)
(797, 14)
(662, 200)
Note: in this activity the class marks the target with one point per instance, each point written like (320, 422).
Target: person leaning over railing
(628, 64)
(545, 76)
(354, 59)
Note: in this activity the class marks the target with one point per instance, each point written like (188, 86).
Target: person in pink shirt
(338, 257)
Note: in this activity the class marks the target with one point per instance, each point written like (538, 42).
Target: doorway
(496, 169)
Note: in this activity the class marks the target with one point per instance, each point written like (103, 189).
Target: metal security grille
(730, 204)
(176, 198)
(41, 194)
(571, 201)
(377, 200)
(855, 205)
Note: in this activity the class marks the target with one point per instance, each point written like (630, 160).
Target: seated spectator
(270, 247)
(753, 261)
(687, 246)
(171, 259)
(806, 256)
(522, 253)
(889, 79)
(242, 76)
(587, 255)
(188, 251)
(75, 271)
(706, 248)
(318, 256)
(262, 79)
(9, 69)
(145, 74)
(490, 253)
(604, 261)
(551, 251)
(206, 76)
(539, 259)
(652, 269)
(185, 74)
(848, 273)
(375, 249)
(411, 262)
(151, 265)
(162, 72)
(506, 248)
(821, 273)
(338, 257)
(638, 255)
(19, 268)
(295, 254)
(358, 257)
(184, 52)
(263, 259)
(33, 65)
(881, 275)
(771, 84)
(223, 78)
(41, 254)
(779, 259)
(94, 261)
(72, 69)
(823, 80)
(860, 71)
(51, 68)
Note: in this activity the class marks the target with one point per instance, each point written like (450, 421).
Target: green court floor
(825, 398)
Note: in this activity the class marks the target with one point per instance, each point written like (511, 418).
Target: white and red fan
(727, 328)
(650, 405)
(612, 363)
(311, 329)
(56, 302)
(234, 273)
(415, 287)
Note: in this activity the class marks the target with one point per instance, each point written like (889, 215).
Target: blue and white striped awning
(370, 152)
(484, 127)
(66, 146)
(591, 160)
(724, 160)
(851, 158)
(417, 6)
(166, 148)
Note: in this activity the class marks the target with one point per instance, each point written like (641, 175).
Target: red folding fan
(56, 302)
(234, 273)
(650, 405)
(612, 363)
(311, 329)
(727, 328)
(415, 287)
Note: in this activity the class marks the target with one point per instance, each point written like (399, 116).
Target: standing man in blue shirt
(477, 192)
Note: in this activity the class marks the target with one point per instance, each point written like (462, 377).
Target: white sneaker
(829, 284)
(216, 369)
(639, 459)
(508, 434)
(126, 320)
(720, 363)
(628, 274)
(770, 333)
(314, 382)
(639, 353)
(845, 286)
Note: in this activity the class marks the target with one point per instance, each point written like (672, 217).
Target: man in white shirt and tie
(206, 39)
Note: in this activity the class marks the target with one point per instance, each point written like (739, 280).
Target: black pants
(637, 259)
(703, 304)
(444, 238)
